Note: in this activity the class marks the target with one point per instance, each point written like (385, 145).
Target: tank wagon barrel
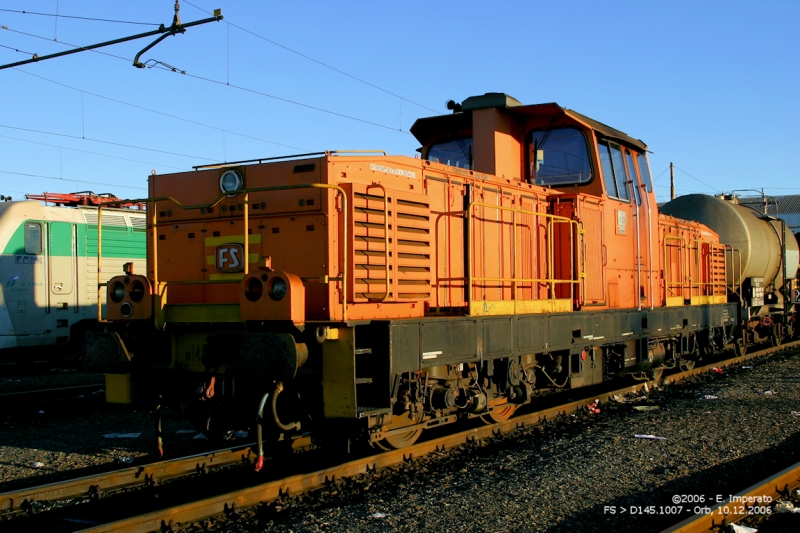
(763, 241)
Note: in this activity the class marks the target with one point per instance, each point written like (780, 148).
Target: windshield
(456, 153)
(559, 157)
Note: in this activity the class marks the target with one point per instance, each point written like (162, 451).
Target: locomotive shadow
(724, 479)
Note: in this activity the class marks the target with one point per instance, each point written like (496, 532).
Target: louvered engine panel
(409, 245)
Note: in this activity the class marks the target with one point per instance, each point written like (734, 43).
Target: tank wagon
(366, 296)
(762, 274)
(48, 265)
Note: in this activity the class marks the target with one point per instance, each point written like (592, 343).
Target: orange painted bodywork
(450, 241)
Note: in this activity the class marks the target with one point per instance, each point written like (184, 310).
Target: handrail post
(246, 246)
(99, 263)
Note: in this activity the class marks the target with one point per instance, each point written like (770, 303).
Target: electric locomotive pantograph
(355, 295)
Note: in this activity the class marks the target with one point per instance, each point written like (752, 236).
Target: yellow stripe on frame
(518, 307)
(232, 239)
(219, 277)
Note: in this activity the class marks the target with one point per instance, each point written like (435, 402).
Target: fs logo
(230, 258)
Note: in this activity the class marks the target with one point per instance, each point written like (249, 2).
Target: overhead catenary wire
(71, 180)
(16, 50)
(78, 18)
(92, 153)
(699, 180)
(168, 115)
(317, 61)
(225, 84)
(109, 142)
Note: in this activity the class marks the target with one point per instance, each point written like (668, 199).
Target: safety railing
(549, 280)
(160, 286)
(734, 288)
(671, 286)
(716, 285)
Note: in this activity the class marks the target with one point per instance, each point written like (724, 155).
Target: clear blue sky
(710, 85)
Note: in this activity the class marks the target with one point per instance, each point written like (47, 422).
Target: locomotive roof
(432, 128)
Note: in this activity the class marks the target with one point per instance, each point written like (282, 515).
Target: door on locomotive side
(559, 157)
(62, 293)
(621, 228)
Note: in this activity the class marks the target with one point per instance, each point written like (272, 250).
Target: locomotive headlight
(117, 292)
(137, 291)
(126, 309)
(230, 181)
(278, 288)
(254, 289)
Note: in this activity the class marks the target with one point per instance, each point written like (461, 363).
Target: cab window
(456, 153)
(558, 157)
(33, 238)
(613, 169)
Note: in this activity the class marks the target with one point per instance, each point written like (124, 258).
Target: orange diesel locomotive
(355, 295)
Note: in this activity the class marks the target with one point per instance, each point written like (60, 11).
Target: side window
(608, 171)
(619, 171)
(613, 169)
(634, 179)
(644, 170)
(33, 238)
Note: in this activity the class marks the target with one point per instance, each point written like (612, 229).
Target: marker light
(230, 181)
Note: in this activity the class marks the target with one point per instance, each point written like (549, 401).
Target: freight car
(48, 266)
(762, 275)
(363, 296)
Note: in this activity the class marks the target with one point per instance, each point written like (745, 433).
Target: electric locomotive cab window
(558, 157)
(613, 169)
(456, 153)
(33, 238)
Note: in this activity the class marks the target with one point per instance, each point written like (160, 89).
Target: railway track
(36, 398)
(254, 489)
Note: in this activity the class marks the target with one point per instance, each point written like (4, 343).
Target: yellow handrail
(681, 247)
(713, 248)
(552, 219)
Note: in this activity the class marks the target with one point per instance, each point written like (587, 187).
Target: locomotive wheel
(687, 364)
(399, 440)
(499, 414)
(654, 374)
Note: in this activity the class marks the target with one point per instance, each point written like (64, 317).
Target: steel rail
(150, 474)
(773, 488)
(172, 517)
